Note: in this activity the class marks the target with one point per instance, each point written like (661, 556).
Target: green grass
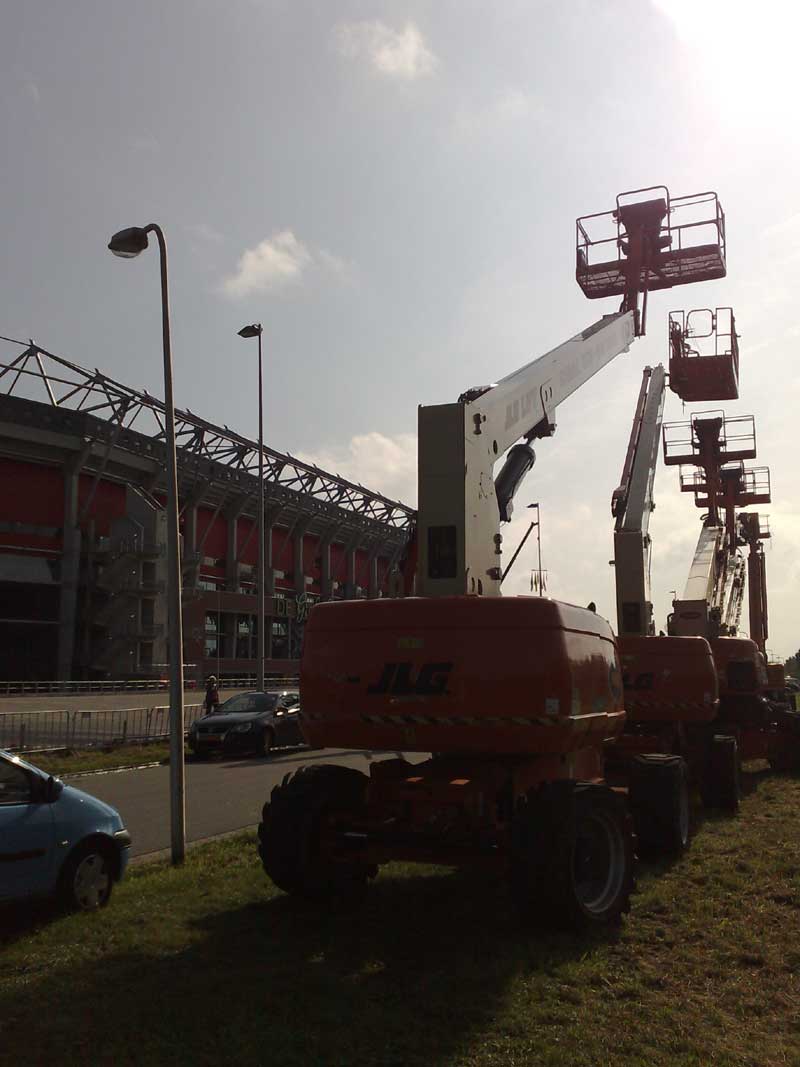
(80, 760)
(209, 964)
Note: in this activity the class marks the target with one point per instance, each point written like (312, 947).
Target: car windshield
(13, 758)
(248, 703)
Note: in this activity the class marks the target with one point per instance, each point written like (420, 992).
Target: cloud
(401, 54)
(509, 107)
(32, 89)
(143, 142)
(203, 232)
(384, 464)
(277, 261)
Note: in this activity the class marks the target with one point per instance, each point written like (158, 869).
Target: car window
(249, 702)
(15, 786)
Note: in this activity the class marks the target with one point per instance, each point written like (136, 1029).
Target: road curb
(166, 854)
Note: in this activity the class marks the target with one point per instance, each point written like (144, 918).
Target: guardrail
(20, 688)
(22, 730)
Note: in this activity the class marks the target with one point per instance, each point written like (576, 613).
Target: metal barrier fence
(132, 685)
(21, 730)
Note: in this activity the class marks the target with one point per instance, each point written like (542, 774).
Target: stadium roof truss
(51, 395)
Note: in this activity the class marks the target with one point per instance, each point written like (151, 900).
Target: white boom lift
(460, 503)
(632, 504)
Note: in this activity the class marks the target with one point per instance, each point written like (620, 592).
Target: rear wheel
(658, 796)
(572, 856)
(291, 834)
(721, 785)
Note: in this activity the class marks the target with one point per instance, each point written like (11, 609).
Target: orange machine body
(741, 669)
(743, 708)
(668, 679)
(460, 675)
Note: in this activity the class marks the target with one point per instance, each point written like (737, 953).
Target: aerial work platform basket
(703, 355)
(739, 486)
(709, 435)
(686, 243)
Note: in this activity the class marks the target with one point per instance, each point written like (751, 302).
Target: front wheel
(87, 879)
(572, 856)
(292, 834)
(658, 794)
(721, 784)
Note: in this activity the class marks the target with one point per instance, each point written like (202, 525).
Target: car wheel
(87, 879)
(266, 743)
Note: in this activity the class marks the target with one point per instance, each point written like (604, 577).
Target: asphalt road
(221, 795)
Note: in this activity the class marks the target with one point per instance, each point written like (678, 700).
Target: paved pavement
(221, 795)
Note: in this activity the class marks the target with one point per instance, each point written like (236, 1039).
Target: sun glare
(744, 54)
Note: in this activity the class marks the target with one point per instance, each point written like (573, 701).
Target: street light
(254, 330)
(127, 244)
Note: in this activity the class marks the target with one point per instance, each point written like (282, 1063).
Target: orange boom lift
(513, 696)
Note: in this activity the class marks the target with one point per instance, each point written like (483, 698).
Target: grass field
(209, 964)
(91, 759)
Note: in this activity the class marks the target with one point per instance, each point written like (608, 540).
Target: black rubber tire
(658, 796)
(200, 756)
(266, 744)
(289, 832)
(85, 864)
(572, 856)
(721, 783)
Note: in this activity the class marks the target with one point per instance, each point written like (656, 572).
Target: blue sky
(391, 189)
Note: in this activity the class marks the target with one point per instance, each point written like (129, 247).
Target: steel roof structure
(46, 399)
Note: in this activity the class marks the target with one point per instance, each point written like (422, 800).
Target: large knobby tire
(721, 783)
(87, 878)
(290, 832)
(658, 795)
(572, 856)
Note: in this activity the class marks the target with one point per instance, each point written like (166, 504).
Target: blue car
(56, 840)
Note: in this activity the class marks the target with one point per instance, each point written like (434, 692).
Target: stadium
(83, 534)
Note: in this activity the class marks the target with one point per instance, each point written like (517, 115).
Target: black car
(249, 722)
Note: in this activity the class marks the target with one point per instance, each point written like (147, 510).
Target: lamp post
(255, 331)
(129, 243)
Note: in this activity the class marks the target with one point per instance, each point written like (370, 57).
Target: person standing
(211, 701)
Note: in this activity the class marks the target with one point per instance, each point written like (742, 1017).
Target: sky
(391, 189)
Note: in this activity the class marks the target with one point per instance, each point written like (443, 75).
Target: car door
(289, 720)
(26, 834)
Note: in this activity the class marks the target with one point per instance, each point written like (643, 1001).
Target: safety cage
(704, 355)
(689, 245)
(730, 439)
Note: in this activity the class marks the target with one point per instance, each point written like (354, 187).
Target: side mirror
(53, 789)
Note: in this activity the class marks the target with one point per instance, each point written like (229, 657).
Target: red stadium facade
(83, 535)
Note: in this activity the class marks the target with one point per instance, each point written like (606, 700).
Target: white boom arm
(460, 511)
(632, 505)
(712, 600)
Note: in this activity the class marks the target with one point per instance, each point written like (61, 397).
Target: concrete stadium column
(324, 553)
(191, 572)
(70, 571)
(232, 555)
(299, 574)
(373, 576)
(350, 572)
